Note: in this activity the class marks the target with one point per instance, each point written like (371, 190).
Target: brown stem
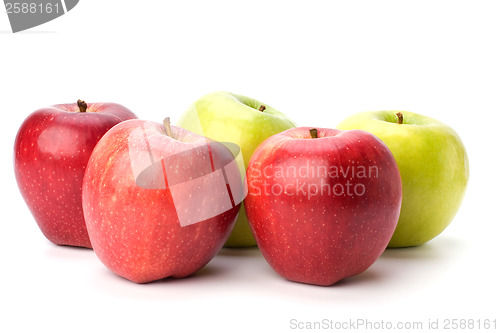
(168, 129)
(400, 117)
(262, 108)
(82, 105)
(314, 133)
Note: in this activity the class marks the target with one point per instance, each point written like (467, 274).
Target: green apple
(434, 170)
(228, 117)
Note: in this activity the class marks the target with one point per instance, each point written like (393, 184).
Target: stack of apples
(155, 200)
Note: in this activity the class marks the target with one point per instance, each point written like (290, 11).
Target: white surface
(317, 62)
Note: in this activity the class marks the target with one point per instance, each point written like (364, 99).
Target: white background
(316, 61)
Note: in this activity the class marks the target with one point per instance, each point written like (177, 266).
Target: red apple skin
(135, 231)
(321, 237)
(51, 151)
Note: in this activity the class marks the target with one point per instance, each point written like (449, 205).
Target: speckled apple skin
(323, 238)
(51, 151)
(224, 116)
(135, 232)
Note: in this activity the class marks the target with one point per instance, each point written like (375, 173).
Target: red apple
(159, 201)
(51, 151)
(322, 203)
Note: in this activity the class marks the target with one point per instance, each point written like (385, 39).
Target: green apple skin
(434, 170)
(228, 117)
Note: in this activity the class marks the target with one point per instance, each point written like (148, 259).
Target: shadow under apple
(68, 252)
(416, 264)
(434, 250)
(249, 252)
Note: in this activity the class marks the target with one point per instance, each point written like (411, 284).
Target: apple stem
(314, 133)
(262, 108)
(82, 105)
(400, 117)
(168, 129)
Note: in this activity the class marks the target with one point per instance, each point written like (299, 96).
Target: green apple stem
(262, 108)
(168, 129)
(314, 133)
(82, 105)
(400, 117)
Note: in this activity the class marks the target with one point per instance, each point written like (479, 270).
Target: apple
(322, 203)
(229, 117)
(51, 151)
(159, 201)
(434, 169)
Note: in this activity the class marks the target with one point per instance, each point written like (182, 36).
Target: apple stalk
(82, 105)
(400, 118)
(168, 129)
